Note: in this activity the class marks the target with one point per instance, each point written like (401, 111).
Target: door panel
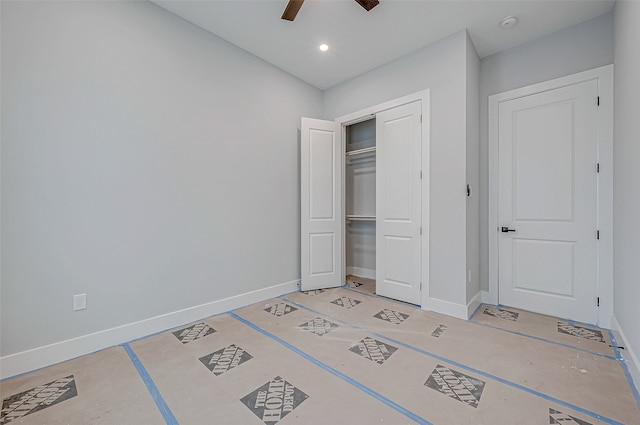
(557, 275)
(543, 162)
(321, 205)
(548, 194)
(398, 203)
(322, 153)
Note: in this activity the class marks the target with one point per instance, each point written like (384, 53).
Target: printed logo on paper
(225, 359)
(391, 316)
(438, 331)
(373, 350)
(280, 309)
(556, 417)
(38, 398)
(581, 332)
(197, 331)
(318, 326)
(500, 313)
(456, 385)
(274, 400)
(346, 302)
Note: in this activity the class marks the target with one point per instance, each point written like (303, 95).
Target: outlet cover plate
(79, 302)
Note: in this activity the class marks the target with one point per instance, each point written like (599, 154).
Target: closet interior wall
(360, 199)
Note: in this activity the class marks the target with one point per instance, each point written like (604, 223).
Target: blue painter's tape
(537, 338)
(391, 300)
(476, 310)
(151, 386)
(475, 371)
(334, 372)
(625, 369)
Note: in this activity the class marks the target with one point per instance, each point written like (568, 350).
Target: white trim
(360, 272)
(474, 304)
(459, 311)
(29, 360)
(486, 297)
(630, 358)
(424, 97)
(370, 112)
(604, 76)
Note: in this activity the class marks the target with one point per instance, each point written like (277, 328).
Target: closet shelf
(352, 217)
(361, 151)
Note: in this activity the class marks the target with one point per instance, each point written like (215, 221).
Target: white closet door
(398, 203)
(322, 216)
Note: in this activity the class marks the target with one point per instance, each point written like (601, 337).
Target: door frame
(424, 97)
(604, 77)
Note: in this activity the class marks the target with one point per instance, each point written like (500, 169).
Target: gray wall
(145, 162)
(626, 153)
(579, 48)
(440, 67)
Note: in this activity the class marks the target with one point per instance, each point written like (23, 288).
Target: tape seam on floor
(378, 297)
(151, 387)
(334, 372)
(497, 328)
(624, 367)
(468, 368)
(537, 338)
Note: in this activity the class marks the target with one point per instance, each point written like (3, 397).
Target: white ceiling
(360, 41)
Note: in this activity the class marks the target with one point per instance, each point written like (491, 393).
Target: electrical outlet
(79, 302)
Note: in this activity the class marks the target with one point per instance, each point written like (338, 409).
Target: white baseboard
(460, 311)
(487, 298)
(473, 305)
(447, 307)
(628, 355)
(26, 361)
(359, 271)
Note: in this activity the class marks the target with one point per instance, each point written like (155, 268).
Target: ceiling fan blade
(292, 9)
(368, 4)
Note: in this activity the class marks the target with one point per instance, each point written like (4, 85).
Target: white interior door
(322, 216)
(398, 202)
(548, 202)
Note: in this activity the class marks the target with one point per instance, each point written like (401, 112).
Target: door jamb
(368, 113)
(604, 76)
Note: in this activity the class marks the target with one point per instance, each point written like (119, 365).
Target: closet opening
(360, 205)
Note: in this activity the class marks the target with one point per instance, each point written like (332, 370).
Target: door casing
(369, 113)
(604, 78)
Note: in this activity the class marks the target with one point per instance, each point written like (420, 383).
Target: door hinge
(421, 230)
(420, 117)
(598, 167)
(598, 101)
(597, 301)
(420, 174)
(468, 190)
(598, 234)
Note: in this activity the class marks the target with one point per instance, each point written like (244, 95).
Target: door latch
(506, 230)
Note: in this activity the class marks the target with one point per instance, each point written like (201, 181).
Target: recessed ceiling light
(324, 47)
(508, 22)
